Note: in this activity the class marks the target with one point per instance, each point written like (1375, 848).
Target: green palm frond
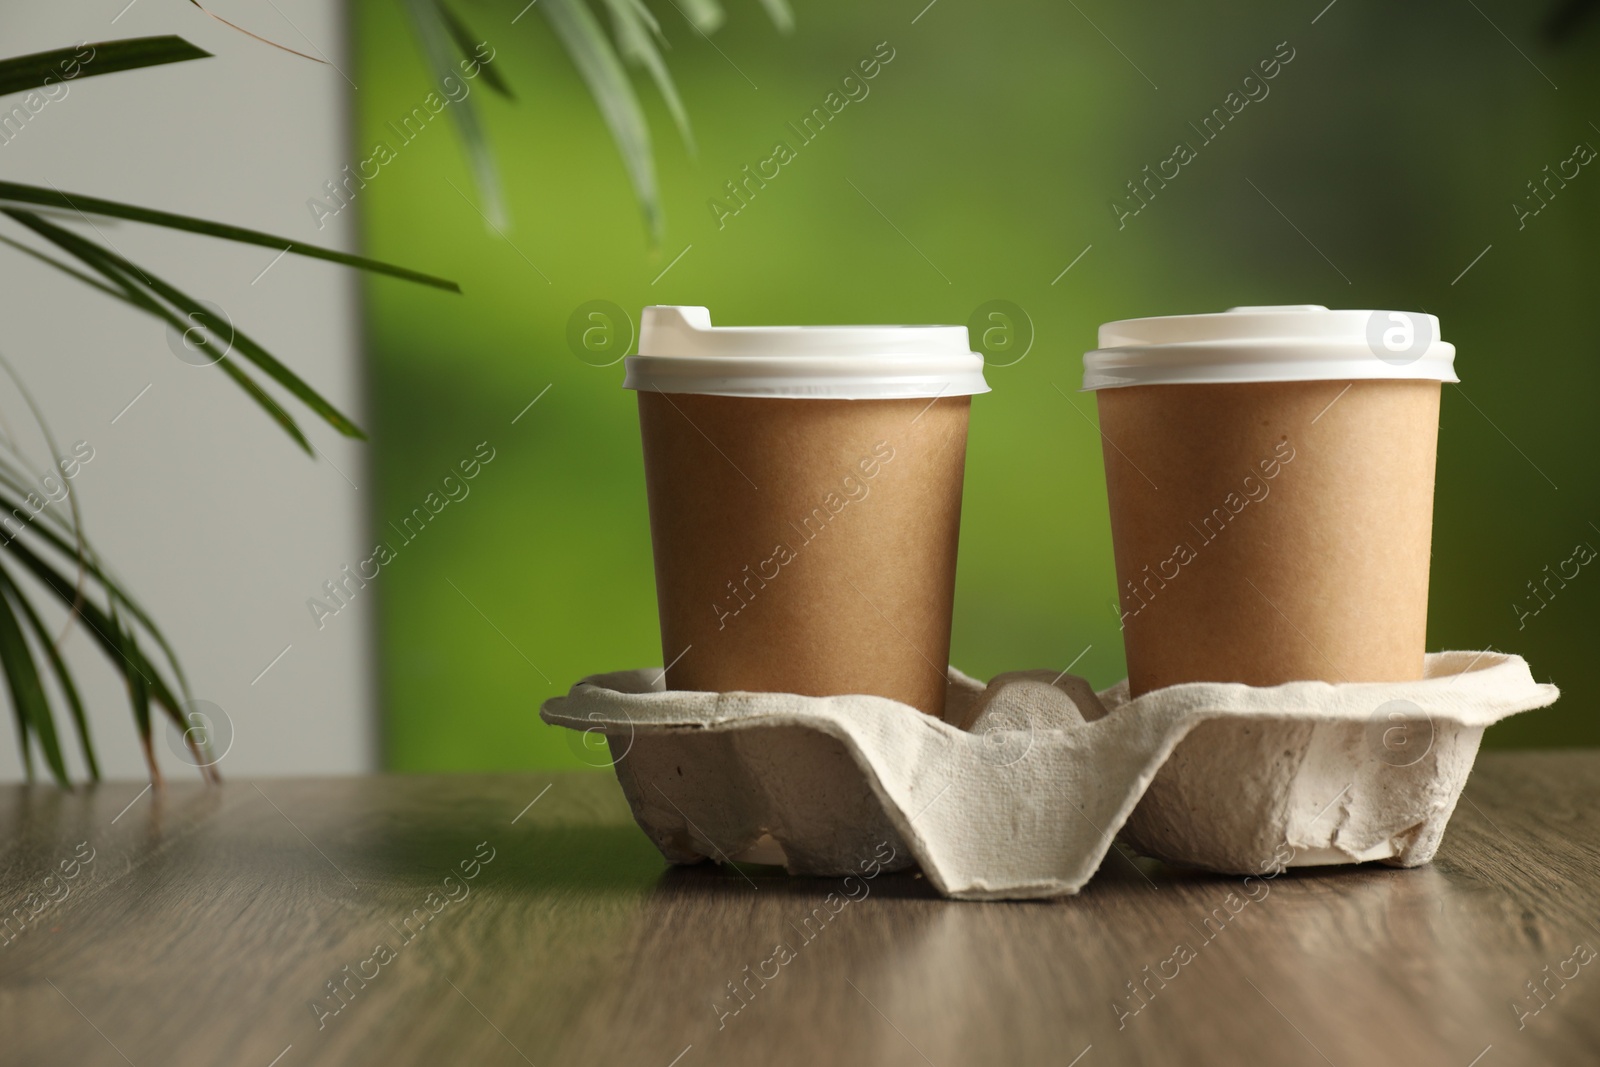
(22, 678)
(579, 32)
(99, 611)
(149, 293)
(638, 36)
(601, 63)
(39, 70)
(441, 33)
(48, 547)
(467, 43)
(45, 549)
(83, 206)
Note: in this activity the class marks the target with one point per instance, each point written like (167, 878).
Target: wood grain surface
(209, 921)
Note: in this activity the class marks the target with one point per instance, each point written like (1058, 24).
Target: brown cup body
(1272, 532)
(805, 546)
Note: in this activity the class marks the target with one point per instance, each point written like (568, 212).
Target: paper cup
(1270, 480)
(805, 502)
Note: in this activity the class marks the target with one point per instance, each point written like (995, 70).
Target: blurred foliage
(45, 555)
(1397, 141)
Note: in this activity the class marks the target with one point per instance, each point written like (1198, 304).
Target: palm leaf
(254, 391)
(24, 743)
(49, 525)
(92, 283)
(22, 680)
(114, 266)
(63, 676)
(84, 557)
(602, 71)
(98, 259)
(79, 550)
(637, 33)
(438, 31)
(127, 291)
(106, 627)
(19, 193)
(116, 626)
(467, 42)
(638, 40)
(107, 57)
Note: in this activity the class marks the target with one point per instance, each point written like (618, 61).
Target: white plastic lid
(1288, 343)
(681, 352)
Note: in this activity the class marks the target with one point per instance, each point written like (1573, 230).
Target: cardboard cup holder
(1020, 789)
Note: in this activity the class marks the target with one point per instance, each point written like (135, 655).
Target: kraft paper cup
(1270, 478)
(805, 501)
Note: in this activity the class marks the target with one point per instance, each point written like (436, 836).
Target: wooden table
(209, 922)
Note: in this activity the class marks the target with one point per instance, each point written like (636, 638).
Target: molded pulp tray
(1019, 792)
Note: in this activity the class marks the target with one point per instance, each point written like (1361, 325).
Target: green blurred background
(1387, 156)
